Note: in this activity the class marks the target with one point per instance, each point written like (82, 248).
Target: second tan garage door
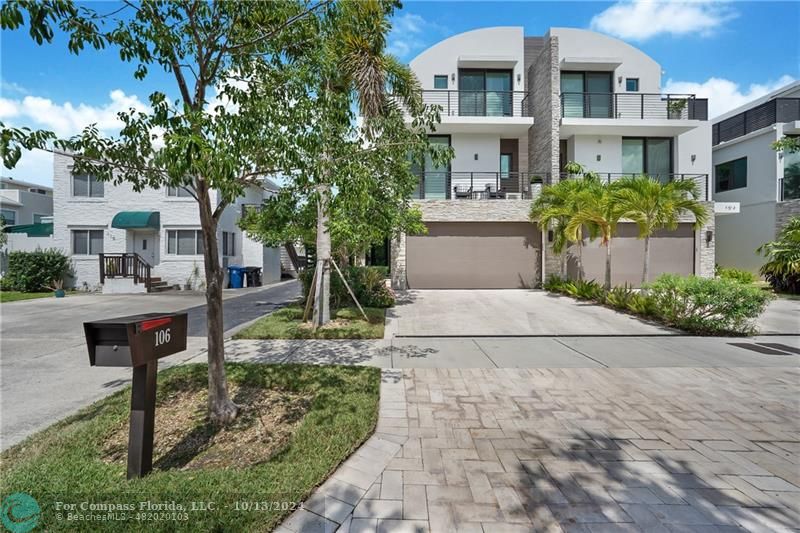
(474, 255)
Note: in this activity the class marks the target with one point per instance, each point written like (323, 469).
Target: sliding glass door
(587, 94)
(436, 177)
(648, 155)
(485, 93)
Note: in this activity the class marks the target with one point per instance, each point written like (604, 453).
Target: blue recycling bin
(235, 277)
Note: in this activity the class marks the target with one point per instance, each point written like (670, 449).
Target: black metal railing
(479, 103)
(760, 116)
(789, 187)
(633, 106)
(701, 180)
(124, 266)
(447, 185)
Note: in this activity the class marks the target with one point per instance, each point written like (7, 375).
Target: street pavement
(44, 366)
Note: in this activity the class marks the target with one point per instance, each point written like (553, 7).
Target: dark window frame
(89, 250)
(438, 77)
(644, 147)
(510, 164)
(732, 178)
(198, 242)
(636, 84)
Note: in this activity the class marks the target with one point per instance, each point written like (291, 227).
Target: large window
(790, 188)
(228, 243)
(184, 242)
(440, 81)
(87, 241)
(88, 186)
(647, 155)
(434, 179)
(587, 94)
(485, 93)
(178, 192)
(9, 216)
(730, 175)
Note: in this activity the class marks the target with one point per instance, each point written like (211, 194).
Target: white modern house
(515, 110)
(747, 170)
(120, 240)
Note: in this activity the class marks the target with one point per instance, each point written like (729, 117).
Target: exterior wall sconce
(694, 157)
(619, 80)
(709, 237)
(599, 157)
(549, 235)
(476, 157)
(519, 77)
(453, 77)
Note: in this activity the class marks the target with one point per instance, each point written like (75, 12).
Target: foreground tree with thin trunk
(353, 180)
(249, 57)
(654, 205)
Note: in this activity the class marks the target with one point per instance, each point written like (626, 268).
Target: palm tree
(654, 205)
(554, 208)
(594, 207)
(356, 52)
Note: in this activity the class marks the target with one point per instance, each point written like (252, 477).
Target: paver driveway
(470, 313)
(583, 449)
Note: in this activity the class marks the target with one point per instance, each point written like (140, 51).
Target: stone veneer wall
(784, 211)
(706, 256)
(544, 88)
(398, 263)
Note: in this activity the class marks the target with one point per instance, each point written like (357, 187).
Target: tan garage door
(670, 251)
(474, 255)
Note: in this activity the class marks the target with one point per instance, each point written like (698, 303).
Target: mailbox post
(138, 341)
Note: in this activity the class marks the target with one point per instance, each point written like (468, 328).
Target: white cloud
(724, 95)
(639, 20)
(64, 120)
(411, 33)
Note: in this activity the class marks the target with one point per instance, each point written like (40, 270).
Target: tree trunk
(646, 269)
(608, 265)
(322, 298)
(221, 409)
(580, 260)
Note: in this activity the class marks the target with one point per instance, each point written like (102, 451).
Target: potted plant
(675, 107)
(58, 288)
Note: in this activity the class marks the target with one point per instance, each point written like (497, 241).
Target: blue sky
(729, 52)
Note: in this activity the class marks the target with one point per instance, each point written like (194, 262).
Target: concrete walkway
(469, 313)
(529, 352)
(577, 449)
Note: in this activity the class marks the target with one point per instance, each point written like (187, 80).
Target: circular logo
(20, 512)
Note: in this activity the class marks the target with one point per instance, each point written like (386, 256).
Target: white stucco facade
(73, 213)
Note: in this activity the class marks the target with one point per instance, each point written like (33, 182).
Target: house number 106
(162, 336)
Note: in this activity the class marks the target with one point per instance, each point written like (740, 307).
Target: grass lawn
(70, 462)
(346, 323)
(13, 296)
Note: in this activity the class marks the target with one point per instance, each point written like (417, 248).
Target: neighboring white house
(161, 227)
(27, 210)
(747, 170)
(515, 110)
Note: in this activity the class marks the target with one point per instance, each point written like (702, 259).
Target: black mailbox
(138, 341)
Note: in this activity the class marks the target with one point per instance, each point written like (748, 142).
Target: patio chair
(461, 192)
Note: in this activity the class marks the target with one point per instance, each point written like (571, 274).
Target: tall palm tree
(554, 208)
(654, 205)
(594, 207)
(360, 66)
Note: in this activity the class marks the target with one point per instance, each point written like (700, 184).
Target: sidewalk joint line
(484, 353)
(581, 353)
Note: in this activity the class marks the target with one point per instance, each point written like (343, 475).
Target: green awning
(32, 230)
(136, 220)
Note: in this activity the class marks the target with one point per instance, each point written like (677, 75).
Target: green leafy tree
(253, 54)
(354, 181)
(782, 269)
(555, 207)
(787, 143)
(654, 205)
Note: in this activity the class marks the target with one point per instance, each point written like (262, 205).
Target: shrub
(642, 304)
(619, 297)
(735, 274)
(367, 283)
(554, 283)
(35, 271)
(702, 305)
(782, 269)
(588, 290)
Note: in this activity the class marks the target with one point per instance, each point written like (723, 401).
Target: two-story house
(121, 240)
(27, 211)
(515, 110)
(747, 170)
